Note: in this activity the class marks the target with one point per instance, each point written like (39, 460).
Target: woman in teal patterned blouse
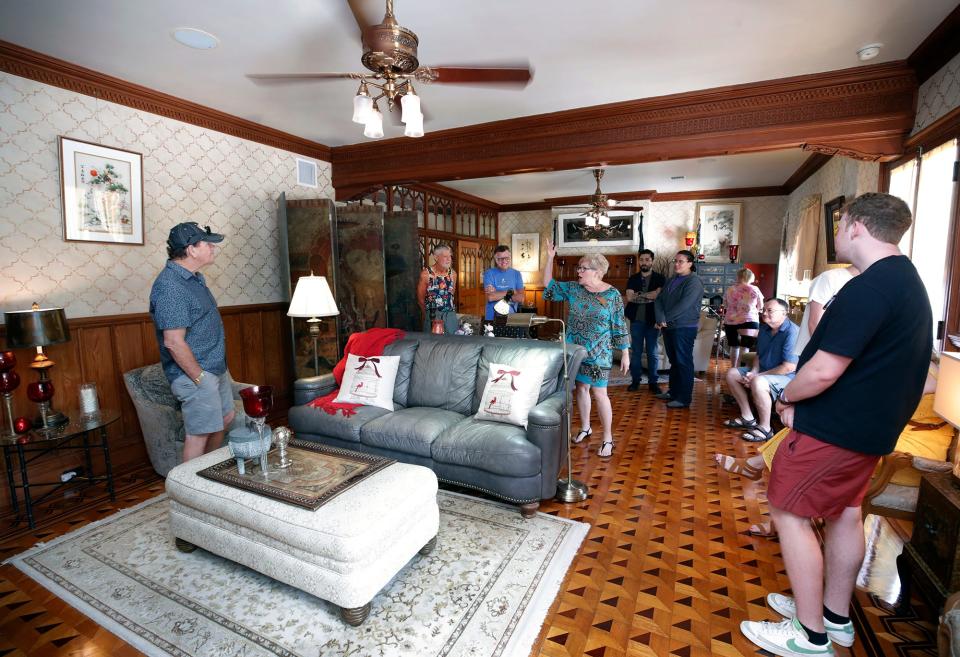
(595, 321)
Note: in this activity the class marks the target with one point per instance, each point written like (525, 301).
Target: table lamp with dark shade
(39, 327)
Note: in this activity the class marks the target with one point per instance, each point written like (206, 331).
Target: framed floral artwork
(719, 227)
(101, 191)
(526, 251)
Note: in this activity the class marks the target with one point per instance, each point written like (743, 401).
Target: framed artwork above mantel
(571, 230)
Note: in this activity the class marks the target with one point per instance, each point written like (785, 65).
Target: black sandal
(581, 436)
(612, 444)
(758, 435)
(740, 423)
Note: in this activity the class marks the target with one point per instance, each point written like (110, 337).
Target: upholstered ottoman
(344, 552)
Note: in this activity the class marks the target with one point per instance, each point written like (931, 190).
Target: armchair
(159, 414)
(892, 491)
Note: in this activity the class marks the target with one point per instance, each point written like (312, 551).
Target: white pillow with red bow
(511, 391)
(369, 380)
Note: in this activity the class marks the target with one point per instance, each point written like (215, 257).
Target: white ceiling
(582, 53)
(746, 170)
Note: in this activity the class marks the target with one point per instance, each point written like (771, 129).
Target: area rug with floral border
(484, 591)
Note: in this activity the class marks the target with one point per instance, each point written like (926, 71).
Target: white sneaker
(784, 605)
(785, 638)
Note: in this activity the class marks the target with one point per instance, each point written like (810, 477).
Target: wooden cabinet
(717, 277)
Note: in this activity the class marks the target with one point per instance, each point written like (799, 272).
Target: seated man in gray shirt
(772, 370)
(191, 338)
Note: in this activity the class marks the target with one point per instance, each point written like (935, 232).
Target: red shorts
(814, 479)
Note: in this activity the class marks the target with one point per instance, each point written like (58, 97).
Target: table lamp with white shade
(312, 299)
(946, 401)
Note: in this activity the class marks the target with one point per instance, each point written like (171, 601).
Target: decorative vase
(436, 326)
(734, 250)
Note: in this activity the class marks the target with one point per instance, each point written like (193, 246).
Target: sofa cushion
(502, 449)
(406, 349)
(410, 430)
(443, 376)
(307, 419)
(530, 353)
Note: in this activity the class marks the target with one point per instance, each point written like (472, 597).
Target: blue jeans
(679, 345)
(642, 333)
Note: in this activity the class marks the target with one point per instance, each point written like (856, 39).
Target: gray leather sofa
(437, 391)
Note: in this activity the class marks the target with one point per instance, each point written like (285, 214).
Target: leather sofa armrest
(547, 412)
(307, 389)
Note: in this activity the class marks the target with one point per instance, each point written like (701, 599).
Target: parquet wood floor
(666, 568)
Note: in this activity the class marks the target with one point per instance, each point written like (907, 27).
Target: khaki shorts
(205, 405)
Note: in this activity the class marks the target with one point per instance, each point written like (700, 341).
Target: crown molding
(940, 46)
(870, 105)
(944, 128)
(715, 194)
(809, 167)
(33, 65)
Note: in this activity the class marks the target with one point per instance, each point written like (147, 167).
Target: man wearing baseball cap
(190, 335)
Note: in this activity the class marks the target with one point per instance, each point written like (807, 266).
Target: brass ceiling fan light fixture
(599, 205)
(390, 56)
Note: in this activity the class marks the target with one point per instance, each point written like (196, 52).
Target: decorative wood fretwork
(33, 65)
(870, 106)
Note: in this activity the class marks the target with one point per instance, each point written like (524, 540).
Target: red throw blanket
(370, 343)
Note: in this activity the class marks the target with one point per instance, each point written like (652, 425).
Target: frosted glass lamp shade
(312, 298)
(410, 104)
(374, 126)
(414, 127)
(946, 402)
(604, 219)
(362, 107)
(590, 220)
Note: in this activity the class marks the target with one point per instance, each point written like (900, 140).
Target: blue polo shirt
(181, 299)
(502, 280)
(775, 349)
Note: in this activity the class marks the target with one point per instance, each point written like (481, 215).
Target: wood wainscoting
(101, 349)
(565, 269)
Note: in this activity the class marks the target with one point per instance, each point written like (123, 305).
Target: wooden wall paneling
(233, 331)
(276, 370)
(129, 355)
(253, 353)
(151, 350)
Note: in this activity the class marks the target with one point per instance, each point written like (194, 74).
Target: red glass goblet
(734, 251)
(8, 360)
(9, 380)
(257, 402)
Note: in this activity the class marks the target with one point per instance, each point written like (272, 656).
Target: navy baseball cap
(188, 233)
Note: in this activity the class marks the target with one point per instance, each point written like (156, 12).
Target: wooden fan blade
(503, 76)
(266, 78)
(361, 15)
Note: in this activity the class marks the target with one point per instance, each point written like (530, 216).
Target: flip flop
(758, 435)
(738, 466)
(762, 530)
(740, 423)
(581, 436)
(603, 446)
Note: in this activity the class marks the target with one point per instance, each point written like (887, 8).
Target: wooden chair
(884, 498)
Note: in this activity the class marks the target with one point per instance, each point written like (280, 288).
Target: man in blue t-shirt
(772, 370)
(858, 382)
(501, 280)
(191, 338)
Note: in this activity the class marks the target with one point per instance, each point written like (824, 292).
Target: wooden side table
(76, 435)
(931, 559)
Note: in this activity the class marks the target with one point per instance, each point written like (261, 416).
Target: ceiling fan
(390, 54)
(597, 215)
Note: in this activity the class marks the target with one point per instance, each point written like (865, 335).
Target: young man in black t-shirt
(858, 381)
(642, 289)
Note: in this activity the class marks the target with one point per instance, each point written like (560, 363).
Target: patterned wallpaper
(189, 173)
(664, 225)
(938, 95)
(840, 175)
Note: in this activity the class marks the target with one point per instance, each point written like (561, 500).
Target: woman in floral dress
(595, 321)
(435, 291)
(741, 322)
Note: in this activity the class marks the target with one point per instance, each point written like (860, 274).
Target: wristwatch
(782, 398)
(196, 381)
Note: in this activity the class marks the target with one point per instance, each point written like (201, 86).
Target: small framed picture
(719, 224)
(525, 248)
(832, 211)
(101, 191)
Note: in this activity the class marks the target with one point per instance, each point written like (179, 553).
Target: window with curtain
(927, 185)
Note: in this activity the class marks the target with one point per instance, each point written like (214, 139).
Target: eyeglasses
(503, 259)
(582, 268)
(680, 262)
(770, 311)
